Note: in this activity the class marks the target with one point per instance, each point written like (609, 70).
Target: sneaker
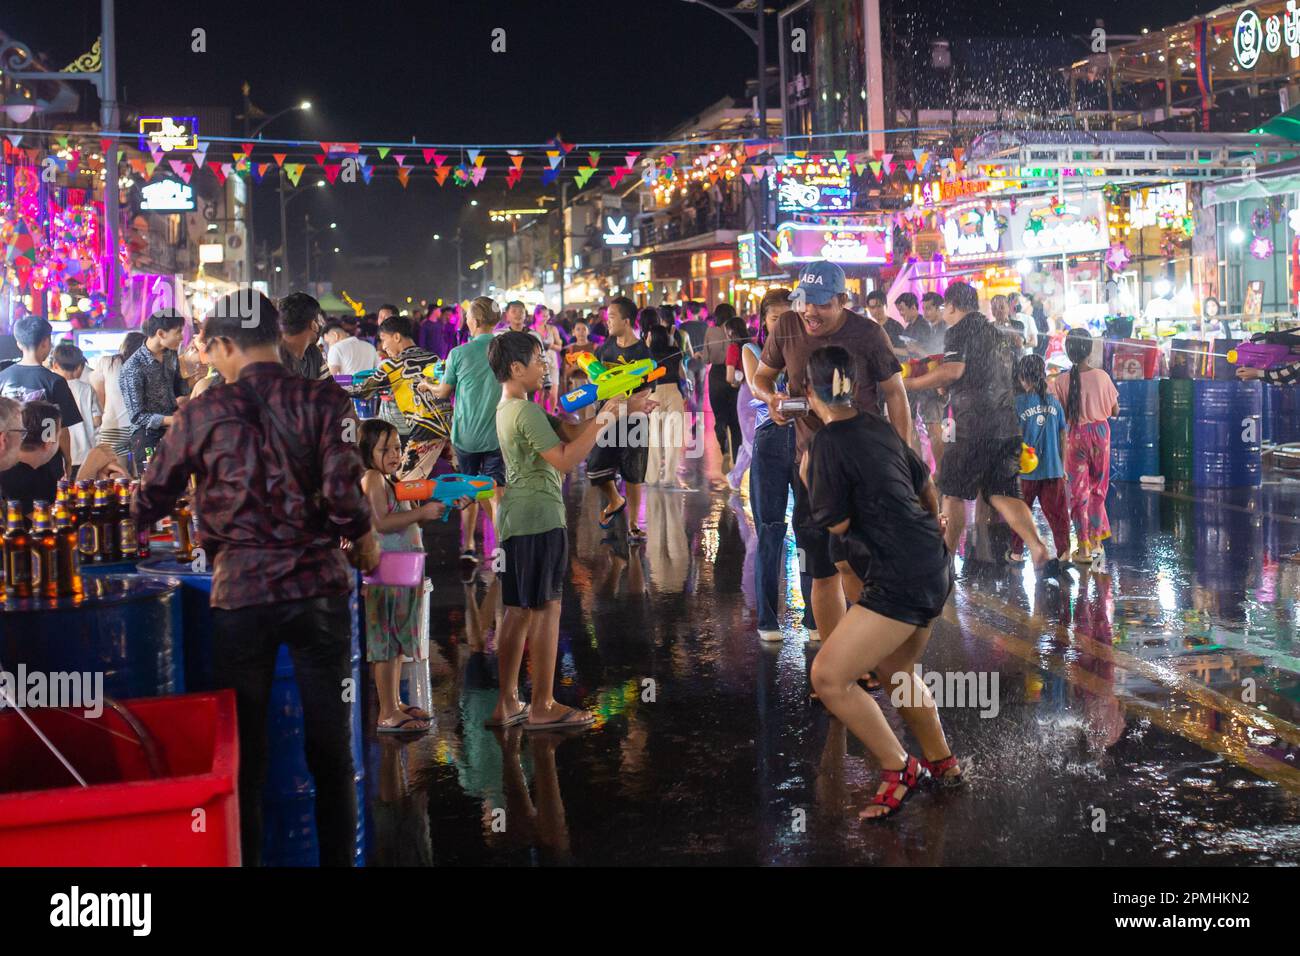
(469, 557)
(770, 636)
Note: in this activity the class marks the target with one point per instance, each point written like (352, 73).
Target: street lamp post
(758, 35)
(250, 111)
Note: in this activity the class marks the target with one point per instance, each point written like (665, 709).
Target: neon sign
(851, 245)
(169, 133)
(813, 185)
(618, 234)
(973, 232)
(747, 249)
(167, 195)
(1251, 37)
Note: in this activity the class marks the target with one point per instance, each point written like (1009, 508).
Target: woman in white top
(115, 429)
(554, 347)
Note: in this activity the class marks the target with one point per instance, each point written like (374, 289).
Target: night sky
(598, 70)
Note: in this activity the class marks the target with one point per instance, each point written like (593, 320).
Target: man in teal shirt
(474, 416)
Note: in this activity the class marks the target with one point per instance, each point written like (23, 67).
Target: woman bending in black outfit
(863, 482)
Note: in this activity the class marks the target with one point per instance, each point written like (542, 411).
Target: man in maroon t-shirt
(821, 319)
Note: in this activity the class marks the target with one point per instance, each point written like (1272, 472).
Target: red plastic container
(127, 816)
(1135, 359)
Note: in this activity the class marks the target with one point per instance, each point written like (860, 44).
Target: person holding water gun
(1042, 424)
(1279, 372)
(539, 450)
(402, 370)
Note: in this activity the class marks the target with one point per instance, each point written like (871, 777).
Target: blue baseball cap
(819, 283)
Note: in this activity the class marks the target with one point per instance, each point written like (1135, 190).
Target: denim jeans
(245, 643)
(771, 478)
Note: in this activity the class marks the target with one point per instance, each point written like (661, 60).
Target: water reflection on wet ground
(1147, 712)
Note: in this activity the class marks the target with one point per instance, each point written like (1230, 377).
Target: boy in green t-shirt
(539, 450)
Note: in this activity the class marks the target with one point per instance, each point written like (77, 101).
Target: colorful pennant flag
(631, 159)
(259, 170)
(332, 172)
(553, 156)
(403, 175)
(200, 155)
(366, 173)
(549, 176)
(280, 158)
(294, 171)
(219, 173)
(473, 156)
(429, 155)
(399, 158)
(593, 159)
(517, 160)
(181, 169)
(441, 174)
(383, 151)
(478, 173)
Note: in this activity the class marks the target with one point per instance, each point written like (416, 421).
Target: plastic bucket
(398, 569)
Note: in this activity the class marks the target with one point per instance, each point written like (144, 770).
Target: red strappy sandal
(938, 769)
(909, 777)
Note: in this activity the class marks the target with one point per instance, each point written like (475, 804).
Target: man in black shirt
(982, 458)
(628, 457)
(893, 328)
(36, 473)
(31, 381)
(300, 325)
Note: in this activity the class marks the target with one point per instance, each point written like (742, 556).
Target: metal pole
(306, 242)
(108, 122)
(250, 250)
(284, 239)
(762, 110)
(564, 238)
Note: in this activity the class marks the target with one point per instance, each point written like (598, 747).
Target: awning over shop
(1258, 188)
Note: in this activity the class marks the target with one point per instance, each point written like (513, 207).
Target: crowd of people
(255, 419)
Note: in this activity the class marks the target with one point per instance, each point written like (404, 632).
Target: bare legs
(1013, 512)
(863, 641)
(540, 629)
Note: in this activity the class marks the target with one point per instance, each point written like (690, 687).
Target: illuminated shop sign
(169, 133)
(1042, 226)
(1163, 206)
(167, 195)
(618, 234)
(1252, 36)
(973, 232)
(747, 250)
(850, 245)
(640, 270)
(936, 190)
(813, 185)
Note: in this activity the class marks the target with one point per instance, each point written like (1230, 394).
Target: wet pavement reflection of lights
(1162, 689)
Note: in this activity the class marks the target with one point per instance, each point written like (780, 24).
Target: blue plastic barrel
(1135, 433)
(125, 628)
(1228, 541)
(1226, 434)
(289, 798)
(1281, 414)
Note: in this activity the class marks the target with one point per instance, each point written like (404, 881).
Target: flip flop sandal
(410, 711)
(517, 717)
(401, 728)
(636, 534)
(570, 721)
(609, 517)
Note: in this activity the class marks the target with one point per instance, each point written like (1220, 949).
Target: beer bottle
(67, 552)
(142, 549)
(182, 531)
(65, 491)
(126, 537)
(87, 532)
(18, 555)
(112, 516)
(103, 522)
(45, 574)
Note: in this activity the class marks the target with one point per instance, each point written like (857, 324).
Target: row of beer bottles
(89, 522)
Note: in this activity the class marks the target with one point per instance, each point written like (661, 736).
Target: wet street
(1145, 713)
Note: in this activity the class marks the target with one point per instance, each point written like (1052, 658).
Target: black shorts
(607, 462)
(490, 464)
(536, 565)
(980, 468)
(917, 608)
(818, 547)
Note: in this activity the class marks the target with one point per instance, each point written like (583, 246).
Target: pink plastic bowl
(398, 569)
